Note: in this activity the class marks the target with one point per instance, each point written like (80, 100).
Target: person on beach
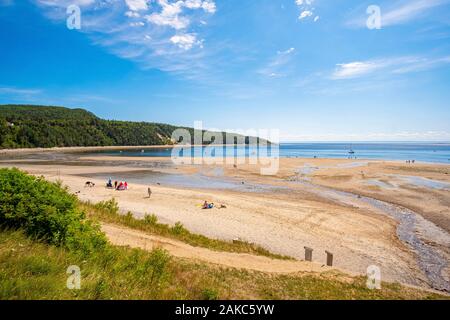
(149, 191)
(115, 184)
(125, 185)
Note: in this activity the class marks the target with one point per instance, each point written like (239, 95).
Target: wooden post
(329, 258)
(308, 254)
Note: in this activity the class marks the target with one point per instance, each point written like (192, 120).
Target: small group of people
(211, 205)
(120, 186)
(410, 161)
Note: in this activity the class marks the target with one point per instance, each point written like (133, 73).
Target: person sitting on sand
(205, 205)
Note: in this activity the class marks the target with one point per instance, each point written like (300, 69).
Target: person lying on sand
(207, 205)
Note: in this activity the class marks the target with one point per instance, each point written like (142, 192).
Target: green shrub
(210, 294)
(111, 206)
(159, 259)
(45, 211)
(178, 228)
(151, 219)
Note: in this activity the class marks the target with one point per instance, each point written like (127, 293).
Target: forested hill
(25, 126)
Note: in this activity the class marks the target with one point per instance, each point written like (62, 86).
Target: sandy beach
(385, 213)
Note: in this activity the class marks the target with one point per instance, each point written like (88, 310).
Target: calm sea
(423, 152)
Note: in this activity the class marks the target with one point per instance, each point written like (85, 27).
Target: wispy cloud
(399, 12)
(275, 67)
(11, 94)
(19, 91)
(154, 33)
(436, 136)
(408, 11)
(396, 65)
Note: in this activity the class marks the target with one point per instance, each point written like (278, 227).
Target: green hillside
(26, 126)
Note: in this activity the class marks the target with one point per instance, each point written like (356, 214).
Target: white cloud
(316, 18)
(185, 41)
(132, 14)
(355, 69)
(396, 65)
(171, 14)
(66, 3)
(288, 51)
(19, 91)
(276, 66)
(368, 136)
(303, 2)
(209, 6)
(137, 5)
(160, 38)
(305, 14)
(409, 11)
(306, 7)
(137, 24)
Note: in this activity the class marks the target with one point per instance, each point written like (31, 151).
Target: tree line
(26, 126)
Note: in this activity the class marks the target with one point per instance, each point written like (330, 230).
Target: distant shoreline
(96, 148)
(79, 149)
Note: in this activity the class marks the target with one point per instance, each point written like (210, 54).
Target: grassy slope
(33, 270)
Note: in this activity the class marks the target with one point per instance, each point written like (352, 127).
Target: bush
(111, 206)
(159, 258)
(151, 219)
(46, 211)
(178, 228)
(210, 294)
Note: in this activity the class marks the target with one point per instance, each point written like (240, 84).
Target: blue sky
(311, 68)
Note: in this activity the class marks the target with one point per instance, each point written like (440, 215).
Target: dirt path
(122, 236)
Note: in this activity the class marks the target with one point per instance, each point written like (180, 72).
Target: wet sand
(325, 204)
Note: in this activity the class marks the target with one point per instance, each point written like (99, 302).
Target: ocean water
(421, 152)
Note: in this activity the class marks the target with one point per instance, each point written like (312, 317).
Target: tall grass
(32, 269)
